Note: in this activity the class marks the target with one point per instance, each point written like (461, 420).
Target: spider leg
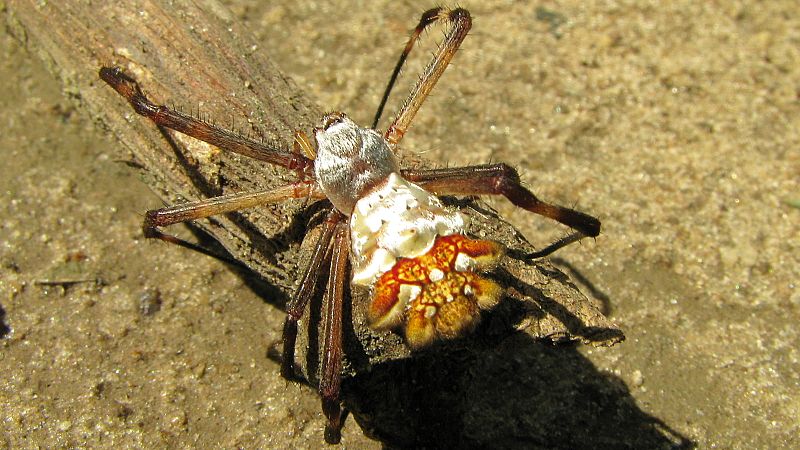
(296, 307)
(227, 203)
(219, 205)
(502, 179)
(191, 126)
(331, 380)
(428, 17)
(303, 146)
(460, 23)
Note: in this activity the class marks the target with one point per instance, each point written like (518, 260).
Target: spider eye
(332, 120)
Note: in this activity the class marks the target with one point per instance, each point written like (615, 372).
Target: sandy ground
(676, 125)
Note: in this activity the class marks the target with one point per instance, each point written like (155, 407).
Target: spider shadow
(491, 389)
(585, 282)
(511, 392)
(4, 328)
(498, 388)
(572, 316)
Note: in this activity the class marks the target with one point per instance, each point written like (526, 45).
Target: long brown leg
(461, 22)
(428, 17)
(296, 307)
(502, 179)
(331, 380)
(219, 205)
(227, 203)
(224, 139)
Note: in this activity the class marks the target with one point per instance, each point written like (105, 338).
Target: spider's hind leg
(331, 252)
(331, 377)
(297, 305)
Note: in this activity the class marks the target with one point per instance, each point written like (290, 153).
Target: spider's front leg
(460, 23)
(206, 132)
(502, 179)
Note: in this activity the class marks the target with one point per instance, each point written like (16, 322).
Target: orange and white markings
(398, 219)
(410, 249)
(437, 294)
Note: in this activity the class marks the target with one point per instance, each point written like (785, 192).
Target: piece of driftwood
(195, 54)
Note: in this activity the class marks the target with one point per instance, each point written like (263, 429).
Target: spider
(385, 228)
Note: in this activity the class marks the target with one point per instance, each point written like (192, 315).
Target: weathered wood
(195, 54)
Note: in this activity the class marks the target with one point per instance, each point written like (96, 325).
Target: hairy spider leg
(228, 203)
(196, 128)
(302, 145)
(301, 161)
(428, 17)
(305, 292)
(492, 179)
(204, 208)
(460, 24)
(331, 380)
(502, 179)
(332, 247)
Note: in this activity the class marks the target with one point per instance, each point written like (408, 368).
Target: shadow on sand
(514, 393)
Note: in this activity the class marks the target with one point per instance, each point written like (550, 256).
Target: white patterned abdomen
(398, 219)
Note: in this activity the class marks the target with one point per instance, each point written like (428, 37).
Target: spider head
(351, 160)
